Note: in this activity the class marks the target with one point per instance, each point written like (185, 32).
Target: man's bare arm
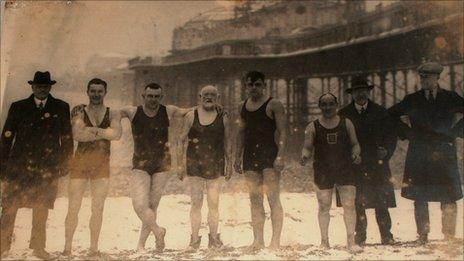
(182, 142)
(81, 132)
(281, 122)
(355, 149)
(308, 145)
(176, 112)
(239, 125)
(128, 112)
(228, 145)
(114, 131)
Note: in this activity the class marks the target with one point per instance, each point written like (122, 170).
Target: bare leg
(272, 190)
(255, 187)
(196, 194)
(99, 191)
(76, 188)
(324, 199)
(140, 193)
(213, 188)
(347, 196)
(144, 233)
(158, 182)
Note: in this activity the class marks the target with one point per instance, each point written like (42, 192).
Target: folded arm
(81, 132)
(114, 131)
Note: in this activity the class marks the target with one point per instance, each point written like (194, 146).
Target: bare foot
(274, 245)
(353, 248)
(42, 254)
(324, 245)
(256, 246)
(66, 252)
(160, 244)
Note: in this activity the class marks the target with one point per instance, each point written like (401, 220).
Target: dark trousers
(38, 233)
(382, 215)
(448, 217)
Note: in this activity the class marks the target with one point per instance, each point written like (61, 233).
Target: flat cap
(430, 68)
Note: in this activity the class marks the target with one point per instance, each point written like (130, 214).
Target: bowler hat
(359, 82)
(430, 68)
(42, 78)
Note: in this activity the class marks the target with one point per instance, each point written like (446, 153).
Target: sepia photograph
(232, 130)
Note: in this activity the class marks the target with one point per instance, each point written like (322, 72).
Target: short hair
(254, 76)
(153, 86)
(96, 81)
(330, 94)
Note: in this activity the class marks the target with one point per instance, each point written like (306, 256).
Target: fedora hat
(359, 82)
(42, 78)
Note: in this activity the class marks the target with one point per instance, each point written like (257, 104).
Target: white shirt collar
(359, 107)
(37, 101)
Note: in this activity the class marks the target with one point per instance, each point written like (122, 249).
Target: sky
(60, 36)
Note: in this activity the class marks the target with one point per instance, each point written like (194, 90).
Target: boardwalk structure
(385, 44)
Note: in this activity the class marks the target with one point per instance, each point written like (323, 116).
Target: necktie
(40, 106)
(362, 112)
(430, 99)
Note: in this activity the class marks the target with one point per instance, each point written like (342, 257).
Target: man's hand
(381, 153)
(238, 165)
(304, 160)
(279, 164)
(305, 157)
(356, 158)
(219, 108)
(77, 110)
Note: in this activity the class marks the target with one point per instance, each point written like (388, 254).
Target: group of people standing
(350, 149)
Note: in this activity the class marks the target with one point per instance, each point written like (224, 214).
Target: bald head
(209, 95)
(209, 89)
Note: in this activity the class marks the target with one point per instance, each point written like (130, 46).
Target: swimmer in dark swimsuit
(94, 128)
(336, 148)
(207, 133)
(261, 140)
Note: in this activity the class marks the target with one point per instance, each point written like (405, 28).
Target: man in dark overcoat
(36, 144)
(431, 170)
(377, 139)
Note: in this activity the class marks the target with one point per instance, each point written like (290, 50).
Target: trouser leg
(7, 221)
(39, 224)
(382, 215)
(421, 214)
(361, 224)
